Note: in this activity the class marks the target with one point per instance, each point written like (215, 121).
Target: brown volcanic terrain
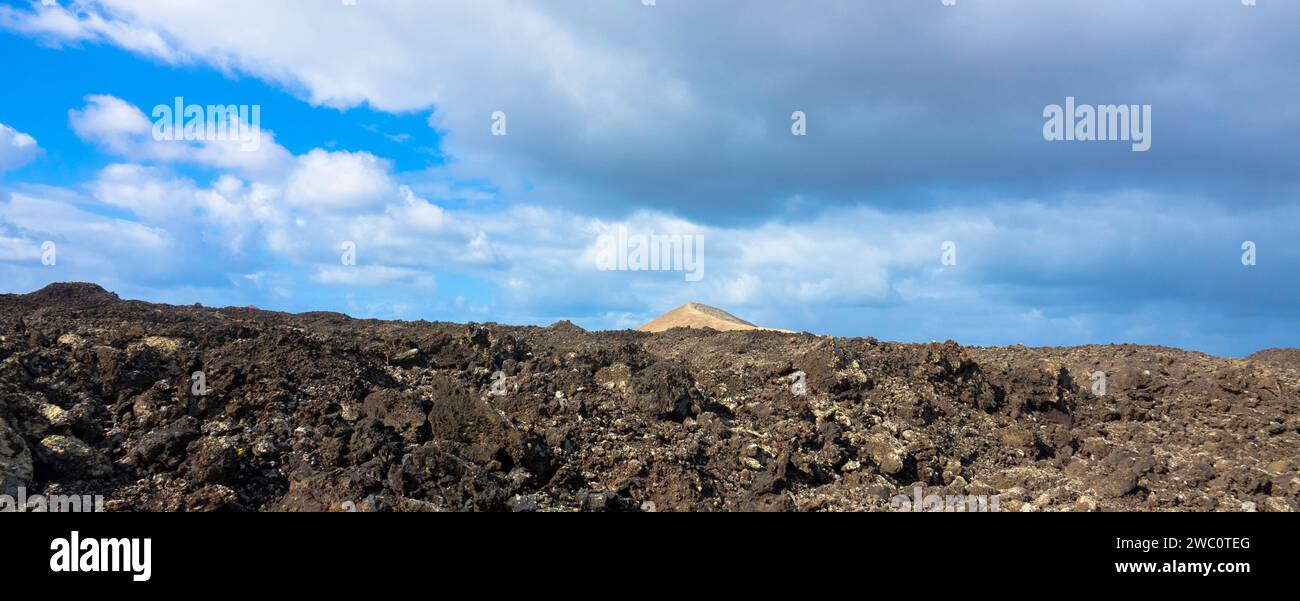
(321, 412)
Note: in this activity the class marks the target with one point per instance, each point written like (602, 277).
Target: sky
(849, 168)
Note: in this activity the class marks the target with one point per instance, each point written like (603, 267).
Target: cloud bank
(923, 128)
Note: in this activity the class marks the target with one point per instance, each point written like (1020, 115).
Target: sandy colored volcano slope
(696, 315)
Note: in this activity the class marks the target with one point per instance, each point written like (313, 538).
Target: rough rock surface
(15, 461)
(323, 412)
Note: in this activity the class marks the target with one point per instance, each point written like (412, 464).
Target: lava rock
(402, 410)
(521, 504)
(70, 456)
(665, 390)
(15, 461)
(1278, 505)
(614, 377)
(165, 448)
(887, 453)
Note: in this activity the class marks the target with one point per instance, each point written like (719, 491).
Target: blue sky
(924, 126)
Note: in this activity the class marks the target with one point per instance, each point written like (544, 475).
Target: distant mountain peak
(73, 293)
(699, 315)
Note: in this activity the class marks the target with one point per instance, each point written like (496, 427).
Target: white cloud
(348, 181)
(686, 107)
(296, 215)
(373, 275)
(70, 25)
(228, 214)
(89, 247)
(115, 123)
(16, 148)
(124, 130)
(149, 192)
(61, 221)
(18, 250)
